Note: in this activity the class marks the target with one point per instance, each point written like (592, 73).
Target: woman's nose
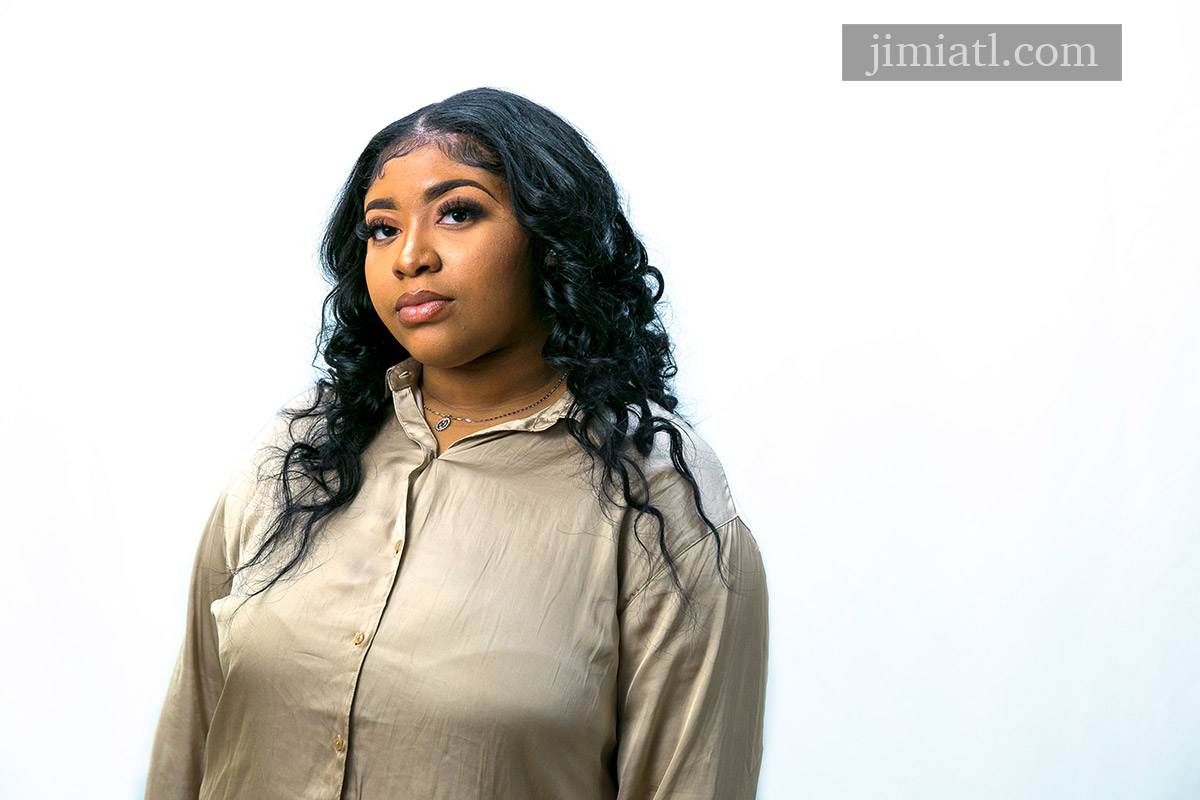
(417, 253)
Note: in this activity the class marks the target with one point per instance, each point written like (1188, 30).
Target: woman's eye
(378, 228)
(459, 211)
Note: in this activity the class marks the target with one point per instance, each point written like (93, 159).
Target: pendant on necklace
(442, 424)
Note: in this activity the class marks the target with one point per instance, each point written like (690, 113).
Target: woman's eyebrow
(432, 193)
(383, 202)
(439, 189)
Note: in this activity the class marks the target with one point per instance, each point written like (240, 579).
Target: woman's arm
(692, 678)
(177, 758)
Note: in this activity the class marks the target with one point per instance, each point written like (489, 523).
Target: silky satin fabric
(474, 625)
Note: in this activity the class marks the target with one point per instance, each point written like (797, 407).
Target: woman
(482, 558)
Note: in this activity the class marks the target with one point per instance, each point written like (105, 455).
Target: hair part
(460, 148)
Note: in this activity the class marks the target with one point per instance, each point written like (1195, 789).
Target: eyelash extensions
(368, 229)
(460, 204)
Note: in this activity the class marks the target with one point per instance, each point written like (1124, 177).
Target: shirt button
(338, 744)
(358, 637)
(399, 544)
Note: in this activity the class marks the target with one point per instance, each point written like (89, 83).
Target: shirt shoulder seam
(677, 557)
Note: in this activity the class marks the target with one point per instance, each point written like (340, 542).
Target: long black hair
(591, 276)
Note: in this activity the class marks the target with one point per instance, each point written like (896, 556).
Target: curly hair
(599, 292)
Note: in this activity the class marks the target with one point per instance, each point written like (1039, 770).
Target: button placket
(371, 612)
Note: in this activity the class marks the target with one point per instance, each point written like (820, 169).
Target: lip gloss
(425, 312)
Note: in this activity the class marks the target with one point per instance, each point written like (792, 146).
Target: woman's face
(441, 228)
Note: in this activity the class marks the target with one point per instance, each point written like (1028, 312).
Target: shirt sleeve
(692, 676)
(177, 756)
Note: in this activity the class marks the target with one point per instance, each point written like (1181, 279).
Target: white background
(943, 336)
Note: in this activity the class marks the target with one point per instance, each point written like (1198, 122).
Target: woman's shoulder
(290, 423)
(249, 495)
(685, 532)
(684, 444)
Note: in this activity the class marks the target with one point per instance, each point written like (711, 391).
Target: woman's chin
(438, 355)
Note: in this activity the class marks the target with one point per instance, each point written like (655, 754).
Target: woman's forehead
(425, 166)
(456, 146)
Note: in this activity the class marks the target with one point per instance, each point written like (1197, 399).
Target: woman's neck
(495, 383)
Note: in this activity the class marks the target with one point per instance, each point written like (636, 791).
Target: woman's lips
(422, 312)
(422, 306)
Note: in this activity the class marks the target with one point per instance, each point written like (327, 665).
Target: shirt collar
(402, 382)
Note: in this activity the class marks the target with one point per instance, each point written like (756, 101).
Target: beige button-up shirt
(473, 625)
